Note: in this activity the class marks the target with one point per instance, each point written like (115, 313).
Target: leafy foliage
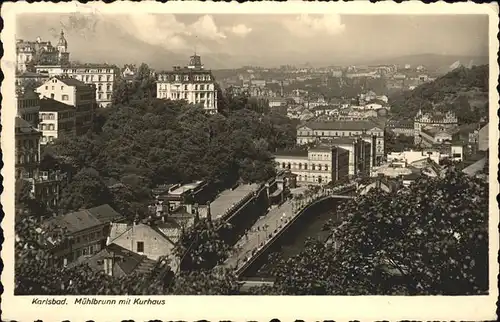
(202, 246)
(400, 244)
(451, 92)
(149, 142)
(398, 143)
(86, 190)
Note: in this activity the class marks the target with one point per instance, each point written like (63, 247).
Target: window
(140, 247)
(52, 95)
(65, 97)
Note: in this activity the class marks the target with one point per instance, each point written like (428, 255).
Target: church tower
(62, 45)
(62, 48)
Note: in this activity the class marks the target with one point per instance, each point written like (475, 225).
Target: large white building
(191, 83)
(103, 76)
(443, 121)
(74, 93)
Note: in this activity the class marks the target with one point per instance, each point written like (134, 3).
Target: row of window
(318, 179)
(48, 190)
(185, 78)
(341, 133)
(48, 139)
(100, 87)
(27, 144)
(303, 166)
(26, 158)
(185, 87)
(101, 71)
(106, 96)
(26, 103)
(88, 250)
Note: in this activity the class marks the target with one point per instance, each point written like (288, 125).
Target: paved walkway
(269, 225)
(260, 233)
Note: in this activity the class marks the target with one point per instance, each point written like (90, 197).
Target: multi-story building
(72, 92)
(46, 188)
(28, 106)
(401, 127)
(102, 76)
(27, 150)
(430, 136)
(83, 232)
(28, 81)
(317, 165)
(56, 120)
(436, 119)
(31, 53)
(319, 131)
(192, 83)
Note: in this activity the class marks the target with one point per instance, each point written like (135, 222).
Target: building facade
(85, 232)
(56, 120)
(192, 83)
(321, 131)
(145, 239)
(102, 76)
(433, 120)
(318, 166)
(31, 53)
(430, 136)
(27, 150)
(75, 93)
(47, 186)
(28, 107)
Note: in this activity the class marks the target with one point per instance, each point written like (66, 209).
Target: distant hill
(463, 91)
(431, 61)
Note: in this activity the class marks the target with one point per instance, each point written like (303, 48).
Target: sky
(230, 41)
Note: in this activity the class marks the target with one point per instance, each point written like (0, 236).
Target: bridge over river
(270, 227)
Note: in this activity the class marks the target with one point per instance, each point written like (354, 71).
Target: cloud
(308, 26)
(240, 30)
(206, 27)
(168, 32)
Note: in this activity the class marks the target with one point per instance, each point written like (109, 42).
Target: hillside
(463, 90)
(433, 62)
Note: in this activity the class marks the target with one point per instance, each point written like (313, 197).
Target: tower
(62, 45)
(195, 62)
(62, 49)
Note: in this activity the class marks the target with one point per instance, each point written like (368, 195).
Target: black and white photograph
(250, 154)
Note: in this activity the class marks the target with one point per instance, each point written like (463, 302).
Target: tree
(86, 190)
(202, 246)
(401, 244)
(37, 274)
(398, 143)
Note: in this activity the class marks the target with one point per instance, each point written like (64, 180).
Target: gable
(304, 128)
(375, 129)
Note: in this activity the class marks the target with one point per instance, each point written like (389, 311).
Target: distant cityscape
(332, 133)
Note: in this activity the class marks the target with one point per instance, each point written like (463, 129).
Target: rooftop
(228, 198)
(86, 218)
(294, 153)
(51, 105)
(73, 82)
(184, 188)
(23, 127)
(341, 125)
